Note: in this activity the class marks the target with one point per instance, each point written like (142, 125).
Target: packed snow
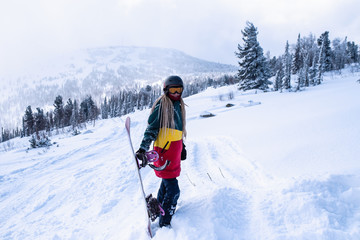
(269, 166)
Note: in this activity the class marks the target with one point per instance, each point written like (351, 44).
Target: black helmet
(173, 80)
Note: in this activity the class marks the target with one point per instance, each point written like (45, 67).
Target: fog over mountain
(97, 72)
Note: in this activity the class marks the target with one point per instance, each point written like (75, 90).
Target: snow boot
(165, 219)
(168, 196)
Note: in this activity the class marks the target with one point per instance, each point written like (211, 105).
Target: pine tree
(120, 105)
(312, 72)
(144, 97)
(352, 52)
(273, 62)
(140, 99)
(111, 107)
(320, 66)
(92, 108)
(68, 109)
(84, 111)
(129, 103)
(23, 132)
(48, 124)
(324, 44)
(254, 71)
(51, 120)
(287, 67)
(297, 60)
(58, 112)
(300, 80)
(309, 50)
(153, 96)
(29, 121)
(305, 69)
(33, 141)
(40, 121)
(278, 80)
(340, 57)
(88, 110)
(303, 73)
(104, 110)
(75, 119)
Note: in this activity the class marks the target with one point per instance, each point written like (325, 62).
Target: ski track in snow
(87, 188)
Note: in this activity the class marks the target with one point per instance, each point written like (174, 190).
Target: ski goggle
(173, 90)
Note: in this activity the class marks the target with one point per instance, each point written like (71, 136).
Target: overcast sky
(36, 30)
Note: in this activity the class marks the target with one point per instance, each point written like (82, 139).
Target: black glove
(183, 152)
(140, 155)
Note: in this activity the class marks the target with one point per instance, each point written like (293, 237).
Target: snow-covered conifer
(352, 52)
(320, 66)
(254, 71)
(104, 109)
(58, 111)
(305, 69)
(324, 44)
(340, 57)
(297, 59)
(287, 67)
(312, 72)
(29, 121)
(68, 112)
(278, 80)
(75, 119)
(40, 120)
(88, 109)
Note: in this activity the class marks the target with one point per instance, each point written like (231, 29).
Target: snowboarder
(166, 127)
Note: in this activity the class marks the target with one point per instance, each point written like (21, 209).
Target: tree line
(127, 101)
(39, 125)
(308, 59)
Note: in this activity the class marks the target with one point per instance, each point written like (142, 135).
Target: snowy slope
(282, 166)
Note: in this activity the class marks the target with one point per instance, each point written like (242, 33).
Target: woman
(166, 127)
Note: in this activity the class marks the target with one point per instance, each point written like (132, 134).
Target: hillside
(97, 72)
(273, 166)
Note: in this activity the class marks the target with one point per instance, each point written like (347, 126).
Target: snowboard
(127, 126)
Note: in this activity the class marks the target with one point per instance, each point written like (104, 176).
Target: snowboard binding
(154, 207)
(152, 156)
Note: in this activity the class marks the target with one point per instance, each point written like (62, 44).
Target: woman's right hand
(140, 155)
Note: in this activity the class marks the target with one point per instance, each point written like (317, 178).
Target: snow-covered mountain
(98, 72)
(272, 166)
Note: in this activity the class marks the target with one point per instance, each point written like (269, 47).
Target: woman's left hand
(183, 152)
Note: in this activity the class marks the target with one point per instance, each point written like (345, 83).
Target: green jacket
(153, 128)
